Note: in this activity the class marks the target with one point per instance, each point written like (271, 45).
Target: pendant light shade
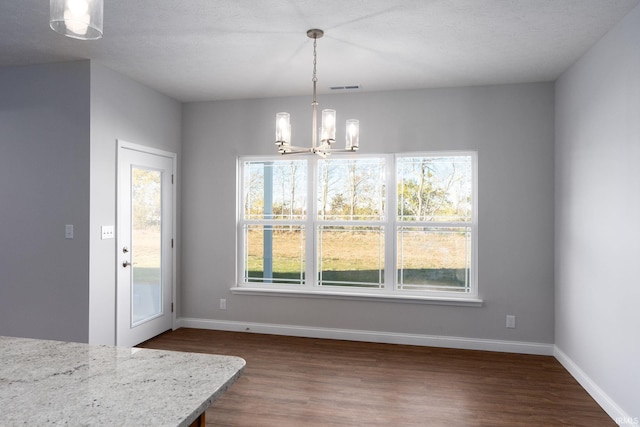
(78, 19)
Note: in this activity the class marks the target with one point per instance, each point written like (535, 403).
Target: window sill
(359, 296)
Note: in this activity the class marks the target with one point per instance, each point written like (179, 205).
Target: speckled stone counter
(61, 383)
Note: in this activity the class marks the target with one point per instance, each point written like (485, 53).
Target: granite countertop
(62, 383)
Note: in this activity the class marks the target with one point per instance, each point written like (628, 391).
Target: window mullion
(389, 226)
(311, 235)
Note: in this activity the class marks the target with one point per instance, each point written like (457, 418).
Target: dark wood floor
(313, 382)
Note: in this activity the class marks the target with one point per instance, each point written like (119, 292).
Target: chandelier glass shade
(78, 19)
(323, 138)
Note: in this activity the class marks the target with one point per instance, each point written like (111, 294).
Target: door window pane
(146, 244)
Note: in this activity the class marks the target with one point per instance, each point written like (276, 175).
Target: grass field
(348, 256)
(146, 256)
(359, 255)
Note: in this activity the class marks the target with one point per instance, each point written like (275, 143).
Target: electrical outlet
(223, 304)
(511, 321)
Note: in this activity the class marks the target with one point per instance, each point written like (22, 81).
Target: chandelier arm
(341, 150)
(296, 150)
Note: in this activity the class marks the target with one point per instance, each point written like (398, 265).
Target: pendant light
(328, 128)
(78, 19)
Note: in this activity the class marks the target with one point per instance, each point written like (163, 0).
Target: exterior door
(144, 243)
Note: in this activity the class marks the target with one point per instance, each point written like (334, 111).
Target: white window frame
(390, 222)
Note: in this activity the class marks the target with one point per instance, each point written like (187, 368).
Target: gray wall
(120, 109)
(511, 127)
(597, 211)
(58, 129)
(44, 184)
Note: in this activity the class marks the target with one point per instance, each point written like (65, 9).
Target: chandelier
(78, 19)
(328, 128)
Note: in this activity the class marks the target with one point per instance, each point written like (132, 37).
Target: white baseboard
(370, 336)
(609, 406)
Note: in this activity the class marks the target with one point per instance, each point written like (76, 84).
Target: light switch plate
(107, 232)
(68, 231)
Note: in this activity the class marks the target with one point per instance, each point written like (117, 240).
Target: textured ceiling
(198, 50)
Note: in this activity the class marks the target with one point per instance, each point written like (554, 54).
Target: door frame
(122, 144)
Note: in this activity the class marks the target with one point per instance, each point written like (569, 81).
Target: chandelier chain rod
(315, 76)
(314, 104)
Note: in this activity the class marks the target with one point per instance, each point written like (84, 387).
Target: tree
(254, 189)
(426, 189)
(146, 197)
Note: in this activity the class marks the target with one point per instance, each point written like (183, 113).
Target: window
(274, 199)
(434, 223)
(376, 225)
(350, 222)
